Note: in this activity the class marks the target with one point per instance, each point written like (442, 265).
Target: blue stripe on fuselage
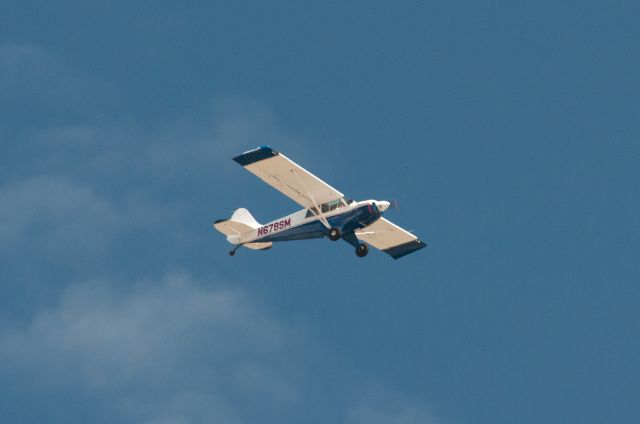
(352, 220)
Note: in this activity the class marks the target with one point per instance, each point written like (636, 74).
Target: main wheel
(334, 234)
(232, 252)
(362, 250)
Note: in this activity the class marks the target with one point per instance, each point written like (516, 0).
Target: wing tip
(404, 249)
(255, 155)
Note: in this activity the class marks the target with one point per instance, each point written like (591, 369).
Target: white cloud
(169, 351)
(197, 150)
(54, 217)
(180, 350)
(20, 59)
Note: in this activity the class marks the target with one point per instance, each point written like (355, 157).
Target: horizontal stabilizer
(259, 246)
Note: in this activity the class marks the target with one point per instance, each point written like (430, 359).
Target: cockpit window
(330, 206)
(311, 212)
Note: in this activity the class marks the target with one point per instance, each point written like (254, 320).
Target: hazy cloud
(55, 218)
(166, 351)
(45, 87)
(180, 350)
(381, 406)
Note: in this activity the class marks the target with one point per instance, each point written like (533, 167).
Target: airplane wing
(287, 177)
(390, 238)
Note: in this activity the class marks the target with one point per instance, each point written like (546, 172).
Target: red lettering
(274, 226)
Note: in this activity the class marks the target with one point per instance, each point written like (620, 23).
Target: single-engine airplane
(327, 213)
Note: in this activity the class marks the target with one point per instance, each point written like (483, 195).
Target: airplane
(327, 212)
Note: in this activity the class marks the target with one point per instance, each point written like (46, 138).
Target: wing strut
(320, 214)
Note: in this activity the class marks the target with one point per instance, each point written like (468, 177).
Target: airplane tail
(243, 216)
(240, 223)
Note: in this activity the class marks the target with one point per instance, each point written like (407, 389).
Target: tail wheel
(362, 250)
(334, 234)
(232, 252)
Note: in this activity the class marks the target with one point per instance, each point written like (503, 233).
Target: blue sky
(508, 131)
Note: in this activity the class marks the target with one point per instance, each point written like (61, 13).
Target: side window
(311, 212)
(331, 206)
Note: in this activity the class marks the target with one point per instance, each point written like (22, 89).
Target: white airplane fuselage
(304, 224)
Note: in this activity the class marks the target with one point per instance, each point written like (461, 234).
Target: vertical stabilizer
(243, 216)
(240, 224)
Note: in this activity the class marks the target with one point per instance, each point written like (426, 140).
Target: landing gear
(232, 252)
(362, 250)
(334, 234)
